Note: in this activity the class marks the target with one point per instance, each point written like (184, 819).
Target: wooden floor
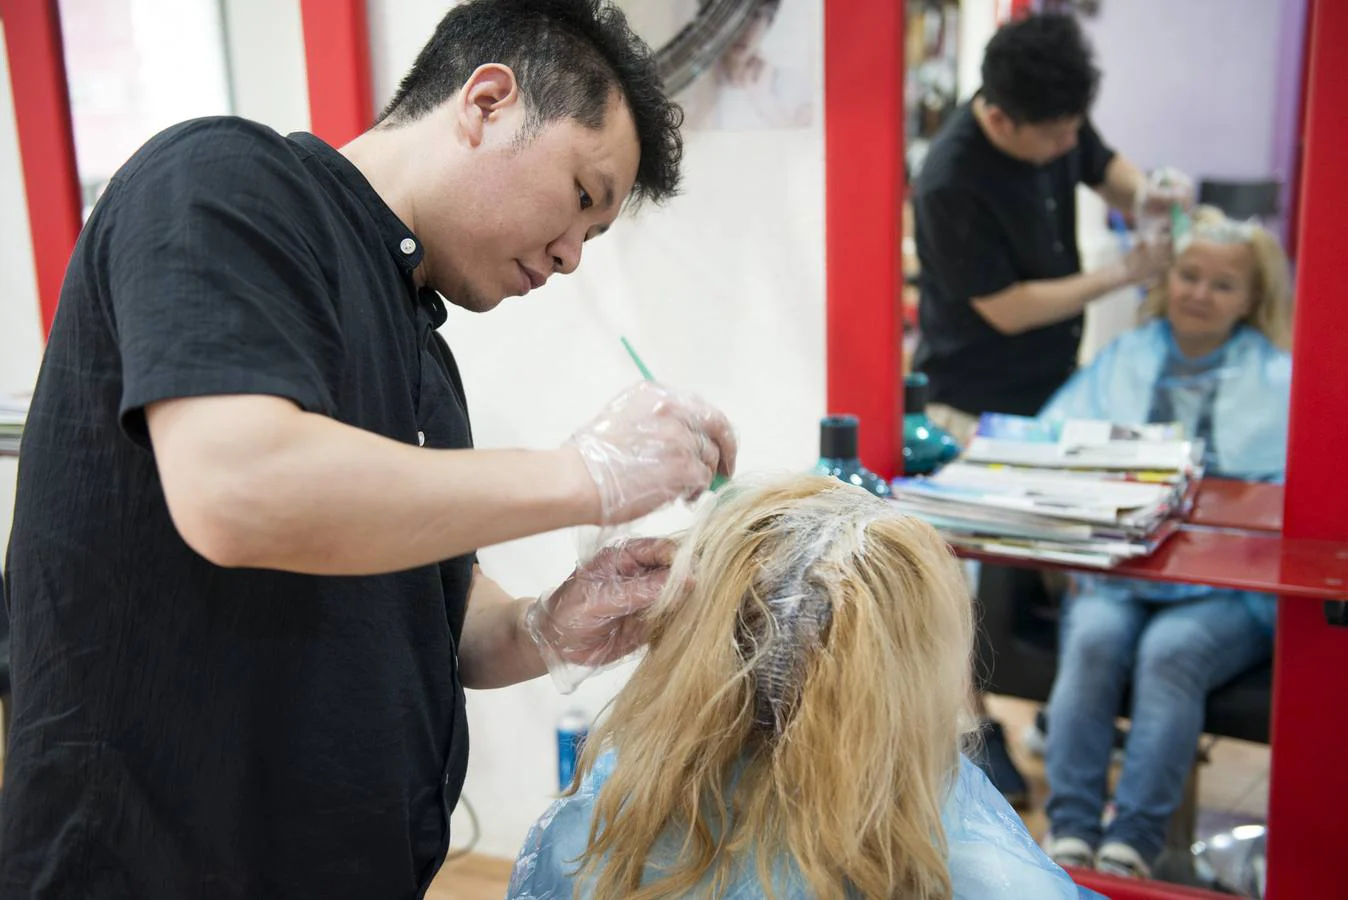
(1234, 782)
(474, 877)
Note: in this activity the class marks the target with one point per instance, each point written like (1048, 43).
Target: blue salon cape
(1249, 396)
(991, 854)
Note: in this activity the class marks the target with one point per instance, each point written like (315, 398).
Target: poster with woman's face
(767, 78)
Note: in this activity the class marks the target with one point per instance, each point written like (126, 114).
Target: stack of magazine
(13, 412)
(1082, 493)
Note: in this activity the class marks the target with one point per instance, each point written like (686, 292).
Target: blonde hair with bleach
(854, 623)
(1270, 282)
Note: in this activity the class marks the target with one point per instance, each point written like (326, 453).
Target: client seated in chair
(1213, 356)
(794, 729)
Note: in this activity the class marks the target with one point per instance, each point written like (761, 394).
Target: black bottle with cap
(926, 447)
(838, 455)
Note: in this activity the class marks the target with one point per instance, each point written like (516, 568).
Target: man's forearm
(1034, 304)
(495, 649)
(1123, 182)
(284, 489)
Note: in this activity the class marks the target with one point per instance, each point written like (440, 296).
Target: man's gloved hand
(650, 446)
(1146, 262)
(595, 618)
(1164, 189)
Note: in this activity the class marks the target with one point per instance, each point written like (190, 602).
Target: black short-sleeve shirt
(181, 729)
(985, 221)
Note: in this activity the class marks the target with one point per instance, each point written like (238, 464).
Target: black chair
(1242, 199)
(1017, 655)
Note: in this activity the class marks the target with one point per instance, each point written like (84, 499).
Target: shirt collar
(991, 149)
(402, 244)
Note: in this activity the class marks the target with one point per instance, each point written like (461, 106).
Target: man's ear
(999, 120)
(488, 94)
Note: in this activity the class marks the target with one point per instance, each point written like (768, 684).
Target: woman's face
(1210, 290)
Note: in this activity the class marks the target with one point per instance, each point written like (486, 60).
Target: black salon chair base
(1017, 656)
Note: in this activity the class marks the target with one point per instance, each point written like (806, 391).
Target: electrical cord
(463, 851)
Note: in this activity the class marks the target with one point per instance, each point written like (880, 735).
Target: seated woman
(1212, 356)
(794, 729)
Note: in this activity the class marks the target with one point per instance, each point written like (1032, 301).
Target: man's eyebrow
(606, 182)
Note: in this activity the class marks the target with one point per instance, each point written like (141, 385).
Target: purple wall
(1197, 84)
(1286, 134)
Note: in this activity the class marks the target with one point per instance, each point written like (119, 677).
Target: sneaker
(1122, 860)
(1071, 852)
(994, 759)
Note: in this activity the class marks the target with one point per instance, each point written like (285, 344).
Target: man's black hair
(1039, 69)
(568, 56)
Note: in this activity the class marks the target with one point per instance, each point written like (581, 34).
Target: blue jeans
(1175, 653)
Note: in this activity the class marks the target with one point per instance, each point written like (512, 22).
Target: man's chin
(475, 303)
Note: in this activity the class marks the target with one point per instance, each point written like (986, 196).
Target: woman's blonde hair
(803, 700)
(1270, 286)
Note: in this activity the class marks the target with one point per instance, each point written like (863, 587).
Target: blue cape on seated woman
(795, 728)
(989, 852)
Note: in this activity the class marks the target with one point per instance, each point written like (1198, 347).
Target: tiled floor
(1233, 786)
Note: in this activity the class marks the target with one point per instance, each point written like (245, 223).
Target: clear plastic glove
(1146, 262)
(1164, 189)
(651, 446)
(595, 618)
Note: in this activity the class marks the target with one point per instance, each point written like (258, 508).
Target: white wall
(722, 292)
(978, 23)
(1190, 84)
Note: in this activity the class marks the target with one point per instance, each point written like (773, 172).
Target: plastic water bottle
(572, 729)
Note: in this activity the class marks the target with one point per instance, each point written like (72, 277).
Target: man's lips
(532, 279)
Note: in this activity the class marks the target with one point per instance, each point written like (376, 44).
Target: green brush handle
(719, 480)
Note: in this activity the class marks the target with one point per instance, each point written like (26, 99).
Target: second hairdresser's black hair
(569, 57)
(1040, 68)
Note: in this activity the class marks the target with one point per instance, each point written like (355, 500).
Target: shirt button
(1057, 247)
(408, 246)
(421, 438)
(1051, 204)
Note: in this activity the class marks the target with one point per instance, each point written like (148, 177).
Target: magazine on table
(1077, 492)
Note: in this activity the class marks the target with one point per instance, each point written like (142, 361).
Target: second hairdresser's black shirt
(984, 222)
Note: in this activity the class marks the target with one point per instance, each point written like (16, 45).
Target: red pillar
(863, 152)
(1308, 802)
(37, 75)
(337, 60)
(1008, 10)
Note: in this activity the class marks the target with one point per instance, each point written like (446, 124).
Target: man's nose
(565, 253)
